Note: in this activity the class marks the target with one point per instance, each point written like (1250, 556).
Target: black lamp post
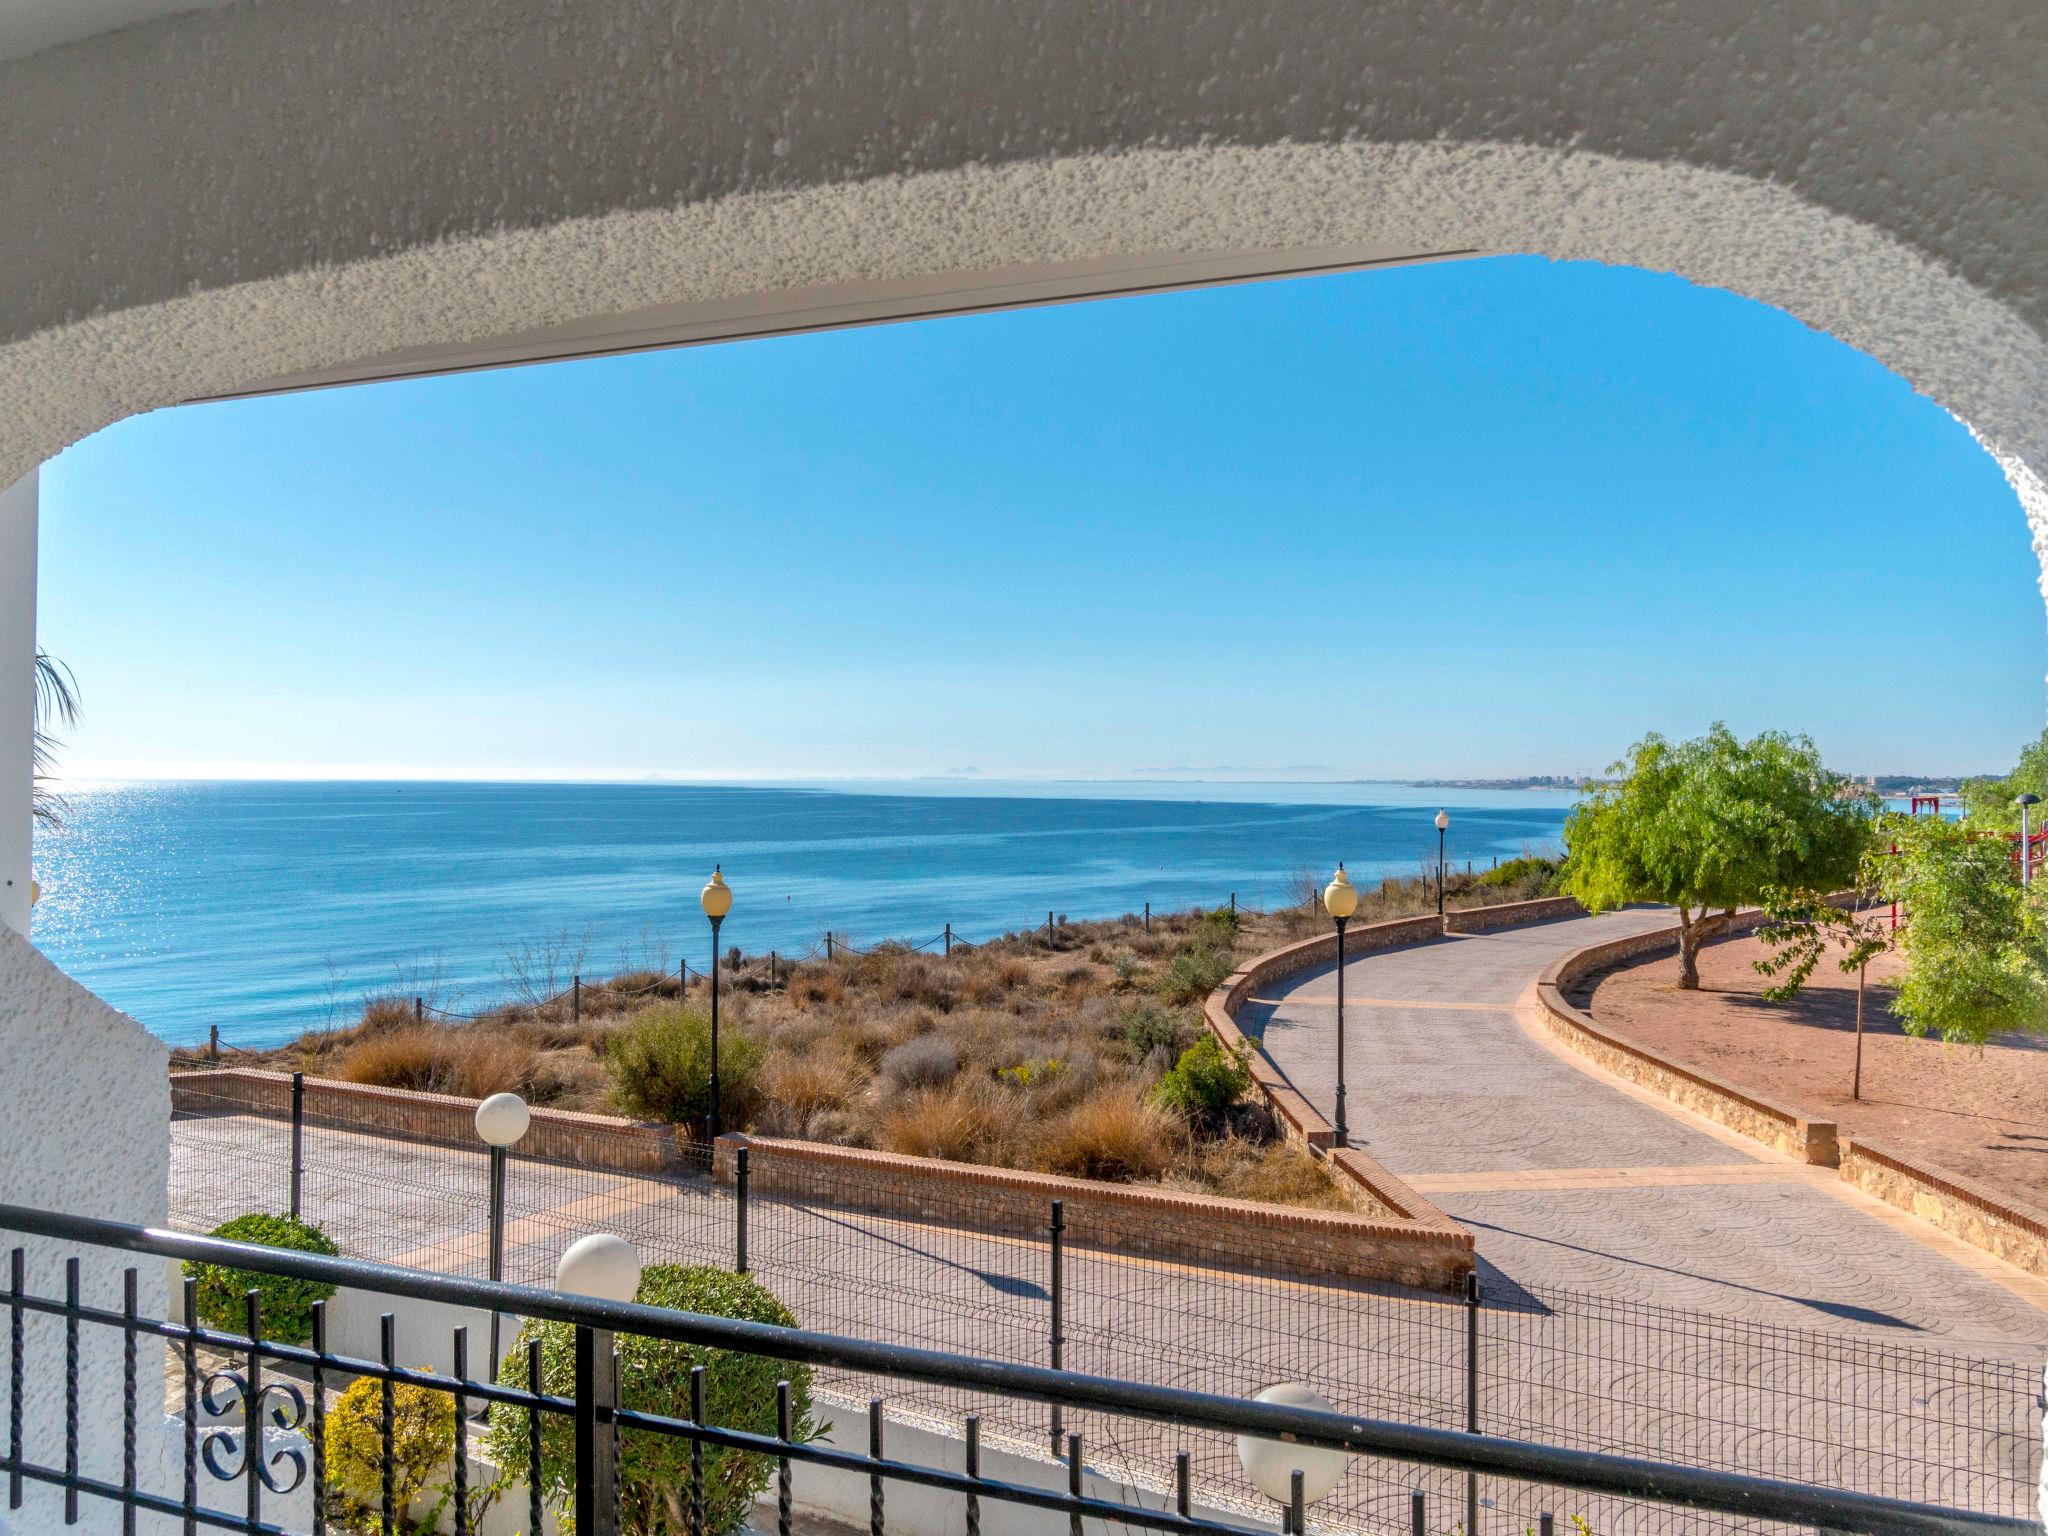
(2026, 848)
(717, 901)
(1340, 900)
(500, 1120)
(1442, 823)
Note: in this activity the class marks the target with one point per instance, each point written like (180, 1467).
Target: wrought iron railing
(286, 1386)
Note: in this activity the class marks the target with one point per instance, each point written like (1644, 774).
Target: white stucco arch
(279, 190)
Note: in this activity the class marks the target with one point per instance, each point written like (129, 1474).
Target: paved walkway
(1571, 1178)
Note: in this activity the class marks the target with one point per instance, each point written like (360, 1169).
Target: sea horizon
(268, 907)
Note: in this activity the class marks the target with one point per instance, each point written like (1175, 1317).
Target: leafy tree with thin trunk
(1975, 941)
(1708, 825)
(1800, 927)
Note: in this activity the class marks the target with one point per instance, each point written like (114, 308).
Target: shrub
(1219, 928)
(660, 1067)
(422, 1442)
(654, 1378)
(1526, 873)
(1193, 974)
(1116, 1134)
(286, 1302)
(1035, 1073)
(1205, 1082)
(930, 1061)
(1127, 968)
(1147, 1026)
(382, 1013)
(809, 988)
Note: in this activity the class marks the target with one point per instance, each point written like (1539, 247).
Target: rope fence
(829, 948)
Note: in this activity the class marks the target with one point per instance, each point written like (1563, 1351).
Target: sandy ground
(1980, 1113)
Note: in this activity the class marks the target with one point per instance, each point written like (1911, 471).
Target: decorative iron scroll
(223, 1389)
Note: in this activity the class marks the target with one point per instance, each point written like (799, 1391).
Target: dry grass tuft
(1278, 1173)
(963, 1123)
(1116, 1133)
(816, 989)
(804, 1085)
(434, 1059)
(384, 1013)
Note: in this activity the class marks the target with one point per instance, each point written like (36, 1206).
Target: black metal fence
(283, 1389)
(1586, 1371)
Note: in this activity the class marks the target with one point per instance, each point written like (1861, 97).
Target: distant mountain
(1916, 783)
(1534, 781)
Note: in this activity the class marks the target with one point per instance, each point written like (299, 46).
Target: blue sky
(1480, 518)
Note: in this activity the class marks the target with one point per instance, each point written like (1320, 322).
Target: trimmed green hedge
(654, 1377)
(286, 1303)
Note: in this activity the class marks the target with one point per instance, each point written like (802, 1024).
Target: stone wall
(1207, 1230)
(1959, 1206)
(1509, 914)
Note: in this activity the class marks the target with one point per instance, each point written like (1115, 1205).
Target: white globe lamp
(1271, 1464)
(600, 1266)
(502, 1119)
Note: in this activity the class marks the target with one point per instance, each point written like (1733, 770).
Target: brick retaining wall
(1959, 1206)
(1157, 1223)
(1400, 1238)
(439, 1119)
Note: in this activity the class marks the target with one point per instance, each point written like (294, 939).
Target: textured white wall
(85, 1110)
(17, 695)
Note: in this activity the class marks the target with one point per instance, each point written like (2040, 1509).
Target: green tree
(1989, 801)
(1800, 927)
(1975, 943)
(1711, 824)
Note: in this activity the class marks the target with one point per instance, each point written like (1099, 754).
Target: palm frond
(56, 703)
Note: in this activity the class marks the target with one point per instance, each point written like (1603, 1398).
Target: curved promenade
(1568, 1176)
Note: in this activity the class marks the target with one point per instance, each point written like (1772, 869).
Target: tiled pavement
(1571, 1179)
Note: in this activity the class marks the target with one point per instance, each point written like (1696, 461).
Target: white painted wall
(85, 1123)
(17, 694)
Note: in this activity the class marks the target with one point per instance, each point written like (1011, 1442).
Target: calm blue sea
(268, 908)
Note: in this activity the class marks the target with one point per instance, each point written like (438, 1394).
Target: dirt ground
(1982, 1114)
